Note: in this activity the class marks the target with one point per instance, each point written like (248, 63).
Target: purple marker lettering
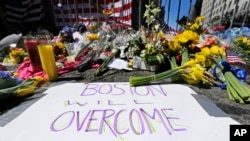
(105, 120)
(155, 112)
(107, 87)
(131, 90)
(159, 89)
(76, 102)
(116, 123)
(169, 119)
(90, 89)
(80, 125)
(145, 89)
(132, 123)
(118, 88)
(90, 120)
(54, 127)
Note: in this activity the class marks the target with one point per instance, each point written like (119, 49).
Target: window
(245, 5)
(235, 1)
(229, 5)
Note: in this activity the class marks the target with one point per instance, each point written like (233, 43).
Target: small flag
(234, 59)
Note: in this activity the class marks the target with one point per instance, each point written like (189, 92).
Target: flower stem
(106, 61)
(143, 80)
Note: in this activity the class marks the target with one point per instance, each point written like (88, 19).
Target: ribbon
(240, 74)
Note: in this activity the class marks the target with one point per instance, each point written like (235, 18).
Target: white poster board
(118, 112)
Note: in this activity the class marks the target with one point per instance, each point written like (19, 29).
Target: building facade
(221, 12)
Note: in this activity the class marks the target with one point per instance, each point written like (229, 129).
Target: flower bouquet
(241, 46)
(237, 90)
(187, 62)
(16, 56)
(149, 44)
(11, 85)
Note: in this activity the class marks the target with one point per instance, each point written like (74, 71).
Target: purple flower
(5, 74)
(19, 80)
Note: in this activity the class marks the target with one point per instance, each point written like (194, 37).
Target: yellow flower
(16, 74)
(200, 59)
(181, 39)
(195, 26)
(92, 36)
(193, 75)
(199, 19)
(240, 39)
(209, 62)
(60, 45)
(160, 35)
(205, 51)
(29, 89)
(190, 63)
(192, 36)
(174, 46)
(187, 37)
(222, 52)
(17, 54)
(248, 43)
(244, 40)
(215, 50)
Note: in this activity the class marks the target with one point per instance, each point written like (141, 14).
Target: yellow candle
(48, 61)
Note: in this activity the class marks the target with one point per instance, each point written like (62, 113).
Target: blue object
(68, 30)
(240, 74)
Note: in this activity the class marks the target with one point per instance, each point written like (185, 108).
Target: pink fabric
(25, 70)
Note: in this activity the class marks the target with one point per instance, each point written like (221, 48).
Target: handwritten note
(117, 112)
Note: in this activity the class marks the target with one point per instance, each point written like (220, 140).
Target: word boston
(118, 112)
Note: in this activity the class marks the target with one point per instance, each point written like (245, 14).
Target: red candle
(31, 47)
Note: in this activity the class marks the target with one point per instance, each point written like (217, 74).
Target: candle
(47, 57)
(31, 47)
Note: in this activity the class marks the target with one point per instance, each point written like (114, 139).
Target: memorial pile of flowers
(192, 57)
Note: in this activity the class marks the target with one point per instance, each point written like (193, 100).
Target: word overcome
(139, 121)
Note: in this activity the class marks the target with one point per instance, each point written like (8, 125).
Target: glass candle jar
(32, 50)
(47, 57)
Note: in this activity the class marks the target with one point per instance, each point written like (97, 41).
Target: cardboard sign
(118, 112)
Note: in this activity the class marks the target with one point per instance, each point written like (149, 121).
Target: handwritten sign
(118, 112)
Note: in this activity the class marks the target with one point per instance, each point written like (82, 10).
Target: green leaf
(147, 13)
(155, 11)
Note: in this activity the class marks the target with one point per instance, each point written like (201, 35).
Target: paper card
(119, 64)
(118, 112)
